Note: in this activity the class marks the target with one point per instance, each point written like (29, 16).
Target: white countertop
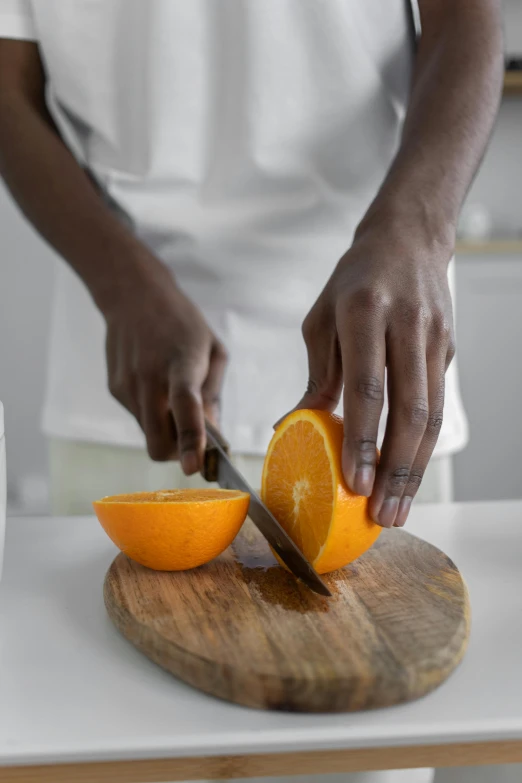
(72, 690)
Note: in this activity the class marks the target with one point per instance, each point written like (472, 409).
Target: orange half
(303, 486)
(175, 529)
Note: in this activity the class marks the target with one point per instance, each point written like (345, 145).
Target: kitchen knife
(218, 468)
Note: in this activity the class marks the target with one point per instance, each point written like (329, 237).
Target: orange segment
(173, 530)
(303, 486)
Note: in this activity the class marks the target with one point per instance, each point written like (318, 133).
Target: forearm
(61, 202)
(455, 95)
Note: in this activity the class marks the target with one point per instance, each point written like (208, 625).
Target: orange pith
(304, 487)
(173, 530)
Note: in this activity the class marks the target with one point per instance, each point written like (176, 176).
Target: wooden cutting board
(243, 629)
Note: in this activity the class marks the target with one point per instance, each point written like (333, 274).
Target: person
(217, 176)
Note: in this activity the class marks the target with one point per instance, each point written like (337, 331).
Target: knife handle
(215, 440)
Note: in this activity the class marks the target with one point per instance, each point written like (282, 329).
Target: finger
(437, 362)
(363, 350)
(157, 422)
(407, 420)
(186, 404)
(324, 386)
(211, 389)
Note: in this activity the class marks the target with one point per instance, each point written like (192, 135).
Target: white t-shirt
(242, 141)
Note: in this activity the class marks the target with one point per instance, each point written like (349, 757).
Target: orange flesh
(301, 493)
(304, 487)
(175, 496)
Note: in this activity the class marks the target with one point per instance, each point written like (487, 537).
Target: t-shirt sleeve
(16, 20)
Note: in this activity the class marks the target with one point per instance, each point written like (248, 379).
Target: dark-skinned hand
(166, 367)
(386, 305)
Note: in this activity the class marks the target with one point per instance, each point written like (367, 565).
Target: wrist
(124, 276)
(415, 223)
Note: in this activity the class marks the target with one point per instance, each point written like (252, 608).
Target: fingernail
(363, 482)
(190, 462)
(388, 512)
(404, 510)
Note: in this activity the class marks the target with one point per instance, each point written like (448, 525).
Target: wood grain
(242, 629)
(270, 764)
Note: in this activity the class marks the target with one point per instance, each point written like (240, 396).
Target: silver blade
(228, 477)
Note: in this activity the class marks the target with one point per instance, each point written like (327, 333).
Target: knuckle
(416, 413)
(320, 392)
(367, 448)
(308, 329)
(399, 477)
(369, 299)
(177, 360)
(181, 390)
(312, 387)
(416, 477)
(189, 437)
(370, 389)
(451, 351)
(211, 400)
(441, 327)
(435, 422)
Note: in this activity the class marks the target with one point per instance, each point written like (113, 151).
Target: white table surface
(72, 689)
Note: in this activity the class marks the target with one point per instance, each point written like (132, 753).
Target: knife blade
(218, 467)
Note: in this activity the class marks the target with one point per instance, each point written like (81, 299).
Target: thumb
(325, 378)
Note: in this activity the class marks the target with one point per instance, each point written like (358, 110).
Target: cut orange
(176, 529)
(304, 488)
